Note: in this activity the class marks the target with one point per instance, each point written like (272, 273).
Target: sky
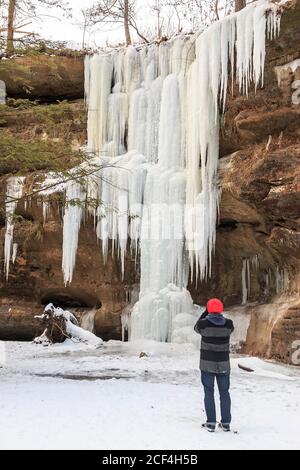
(68, 29)
(52, 24)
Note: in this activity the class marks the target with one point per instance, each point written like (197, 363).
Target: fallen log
(247, 369)
(56, 322)
(62, 325)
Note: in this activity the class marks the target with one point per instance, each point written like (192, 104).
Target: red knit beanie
(215, 306)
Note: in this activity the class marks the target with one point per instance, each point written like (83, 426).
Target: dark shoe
(224, 427)
(210, 427)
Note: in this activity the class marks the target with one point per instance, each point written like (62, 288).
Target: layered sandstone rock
(285, 336)
(36, 275)
(44, 77)
(17, 320)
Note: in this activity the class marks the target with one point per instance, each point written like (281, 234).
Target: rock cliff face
(256, 264)
(36, 277)
(44, 77)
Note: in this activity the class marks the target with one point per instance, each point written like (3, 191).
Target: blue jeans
(223, 381)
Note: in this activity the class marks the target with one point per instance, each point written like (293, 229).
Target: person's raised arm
(204, 314)
(197, 327)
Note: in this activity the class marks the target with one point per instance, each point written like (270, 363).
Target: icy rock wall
(153, 131)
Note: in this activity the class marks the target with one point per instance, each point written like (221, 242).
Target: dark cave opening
(70, 298)
(227, 225)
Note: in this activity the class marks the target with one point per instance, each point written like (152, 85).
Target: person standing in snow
(215, 331)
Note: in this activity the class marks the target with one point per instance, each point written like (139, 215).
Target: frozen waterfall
(153, 128)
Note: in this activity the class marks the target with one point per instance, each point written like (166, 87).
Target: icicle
(14, 253)
(45, 206)
(281, 280)
(88, 320)
(72, 221)
(152, 119)
(100, 81)
(14, 192)
(202, 150)
(118, 64)
(169, 150)
(255, 262)
(137, 121)
(126, 321)
(207, 87)
(86, 80)
(2, 92)
(176, 55)
(163, 59)
(246, 281)
(119, 186)
(267, 284)
(117, 122)
(132, 70)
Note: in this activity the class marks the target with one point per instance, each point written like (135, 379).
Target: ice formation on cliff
(14, 192)
(153, 127)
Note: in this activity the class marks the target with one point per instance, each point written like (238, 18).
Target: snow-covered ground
(74, 397)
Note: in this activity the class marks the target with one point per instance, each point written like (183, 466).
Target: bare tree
(157, 9)
(239, 5)
(117, 12)
(177, 8)
(126, 23)
(20, 14)
(216, 9)
(10, 27)
(194, 15)
(85, 25)
(163, 25)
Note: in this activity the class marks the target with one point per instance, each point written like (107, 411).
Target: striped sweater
(215, 343)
